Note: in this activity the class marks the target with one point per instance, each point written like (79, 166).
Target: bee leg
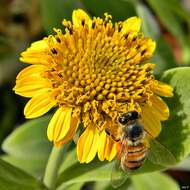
(112, 136)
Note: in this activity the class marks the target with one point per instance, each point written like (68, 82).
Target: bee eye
(133, 115)
(126, 117)
(123, 119)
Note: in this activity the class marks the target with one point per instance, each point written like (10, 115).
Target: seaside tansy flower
(91, 74)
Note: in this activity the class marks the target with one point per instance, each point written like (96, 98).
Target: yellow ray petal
(32, 70)
(163, 89)
(38, 105)
(101, 147)
(131, 24)
(39, 45)
(73, 128)
(87, 145)
(151, 123)
(36, 54)
(113, 151)
(80, 16)
(159, 108)
(30, 86)
(34, 58)
(107, 148)
(59, 124)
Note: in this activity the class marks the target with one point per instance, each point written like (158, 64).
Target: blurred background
(22, 22)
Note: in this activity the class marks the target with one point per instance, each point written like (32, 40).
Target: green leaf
(176, 6)
(167, 17)
(9, 110)
(173, 23)
(176, 131)
(106, 185)
(13, 178)
(154, 181)
(149, 25)
(77, 173)
(53, 12)
(70, 160)
(29, 140)
(35, 168)
(163, 57)
(29, 145)
(75, 186)
(120, 10)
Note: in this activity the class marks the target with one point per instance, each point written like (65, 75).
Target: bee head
(134, 131)
(129, 116)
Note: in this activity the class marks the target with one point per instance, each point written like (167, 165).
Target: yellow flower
(92, 73)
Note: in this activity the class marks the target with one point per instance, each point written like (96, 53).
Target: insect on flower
(92, 73)
(136, 144)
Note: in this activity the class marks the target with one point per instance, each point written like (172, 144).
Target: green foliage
(28, 147)
(178, 125)
(13, 178)
(154, 181)
(95, 171)
(172, 22)
(8, 106)
(149, 24)
(163, 56)
(119, 9)
(53, 12)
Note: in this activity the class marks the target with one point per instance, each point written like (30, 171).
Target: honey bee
(135, 148)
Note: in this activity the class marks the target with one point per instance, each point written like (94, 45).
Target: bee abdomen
(135, 157)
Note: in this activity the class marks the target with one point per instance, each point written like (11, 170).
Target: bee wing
(160, 155)
(118, 175)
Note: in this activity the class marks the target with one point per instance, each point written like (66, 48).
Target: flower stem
(52, 167)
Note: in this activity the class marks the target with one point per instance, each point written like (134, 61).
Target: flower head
(92, 73)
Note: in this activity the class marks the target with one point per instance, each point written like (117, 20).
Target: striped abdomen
(136, 154)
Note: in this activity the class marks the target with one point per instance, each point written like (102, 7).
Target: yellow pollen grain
(112, 76)
(100, 97)
(98, 88)
(111, 95)
(69, 72)
(77, 83)
(93, 93)
(71, 80)
(87, 76)
(107, 86)
(113, 89)
(82, 82)
(101, 83)
(119, 89)
(74, 75)
(75, 68)
(120, 74)
(105, 92)
(117, 78)
(108, 81)
(119, 84)
(87, 88)
(88, 81)
(114, 84)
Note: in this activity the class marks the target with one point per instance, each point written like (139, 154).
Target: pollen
(92, 72)
(99, 63)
